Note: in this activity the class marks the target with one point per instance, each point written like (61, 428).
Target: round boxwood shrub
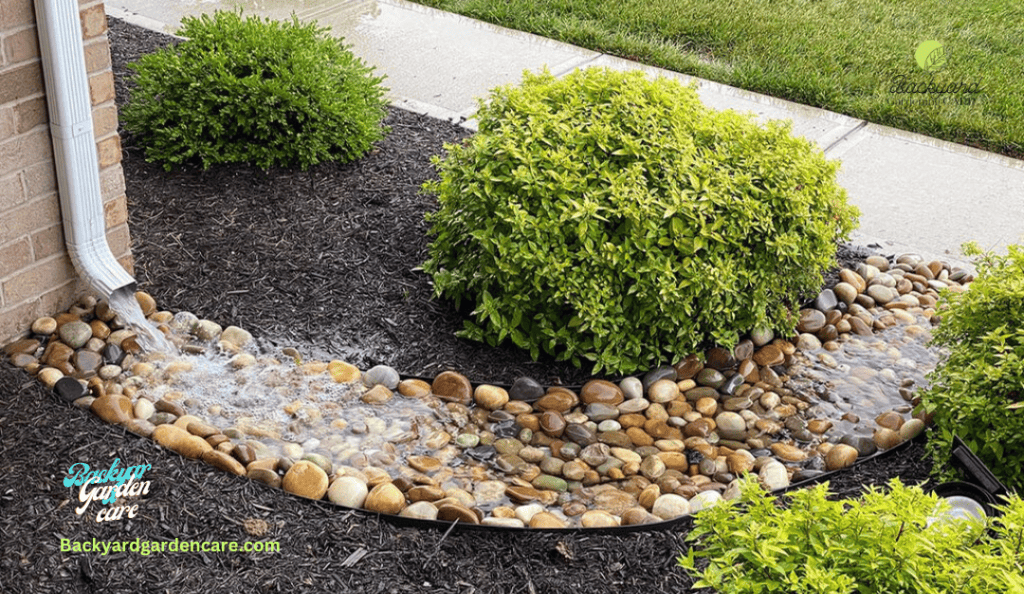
(609, 217)
(246, 90)
(977, 390)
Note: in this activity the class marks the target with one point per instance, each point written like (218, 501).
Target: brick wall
(36, 275)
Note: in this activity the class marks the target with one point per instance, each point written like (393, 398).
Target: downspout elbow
(74, 147)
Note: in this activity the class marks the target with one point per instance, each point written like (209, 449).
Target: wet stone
(69, 389)
(731, 384)
(559, 401)
(580, 434)
(810, 321)
(665, 372)
(826, 300)
(453, 387)
(413, 388)
(632, 388)
(601, 391)
(22, 360)
(526, 389)
(719, 359)
(688, 367)
(598, 412)
(381, 375)
(840, 456)
(711, 378)
(87, 362)
(75, 334)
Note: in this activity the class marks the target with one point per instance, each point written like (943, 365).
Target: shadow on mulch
(321, 258)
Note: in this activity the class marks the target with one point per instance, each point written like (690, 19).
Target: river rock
(810, 321)
(670, 506)
(70, 389)
(911, 429)
(768, 355)
(601, 391)
(112, 408)
(235, 336)
(840, 456)
(881, 294)
(731, 425)
(44, 326)
(886, 438)
(546, 520)
(451, 386)
(774, 476)
(455, 512)
(413, 388)
(222, 461)
(305, 479)
(596, 518)
(378, 394)
(526, 389)
(421, 510)
(75, 334)
(385, 498)
(381, 375)
(665, 390)
(557, 400)
(632, 388)
(490, 397)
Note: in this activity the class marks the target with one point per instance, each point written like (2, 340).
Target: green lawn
(843, 55)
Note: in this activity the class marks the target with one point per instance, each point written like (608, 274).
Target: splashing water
(124, 303)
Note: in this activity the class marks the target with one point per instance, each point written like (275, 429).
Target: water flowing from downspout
(74, 150)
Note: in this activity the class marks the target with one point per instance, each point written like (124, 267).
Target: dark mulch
(323, 258)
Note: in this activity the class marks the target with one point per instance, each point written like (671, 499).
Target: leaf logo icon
(930, 56)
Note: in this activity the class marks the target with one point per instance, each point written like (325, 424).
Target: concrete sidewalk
(915, 193)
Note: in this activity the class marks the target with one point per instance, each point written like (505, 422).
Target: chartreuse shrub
(977, 388)
(246, 90)
(882, 542)
(608, 217)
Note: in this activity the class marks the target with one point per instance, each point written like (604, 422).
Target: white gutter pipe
(74, 147)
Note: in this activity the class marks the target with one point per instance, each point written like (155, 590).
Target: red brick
(21, 82)
(15, 256)
(22, 46)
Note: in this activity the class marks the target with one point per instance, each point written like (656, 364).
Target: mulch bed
(320, 258)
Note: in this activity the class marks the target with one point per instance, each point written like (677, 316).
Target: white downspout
(74, 147)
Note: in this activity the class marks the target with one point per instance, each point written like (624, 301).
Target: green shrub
(882, 542)
(254, 91)
(608, 217)
(975, 390)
